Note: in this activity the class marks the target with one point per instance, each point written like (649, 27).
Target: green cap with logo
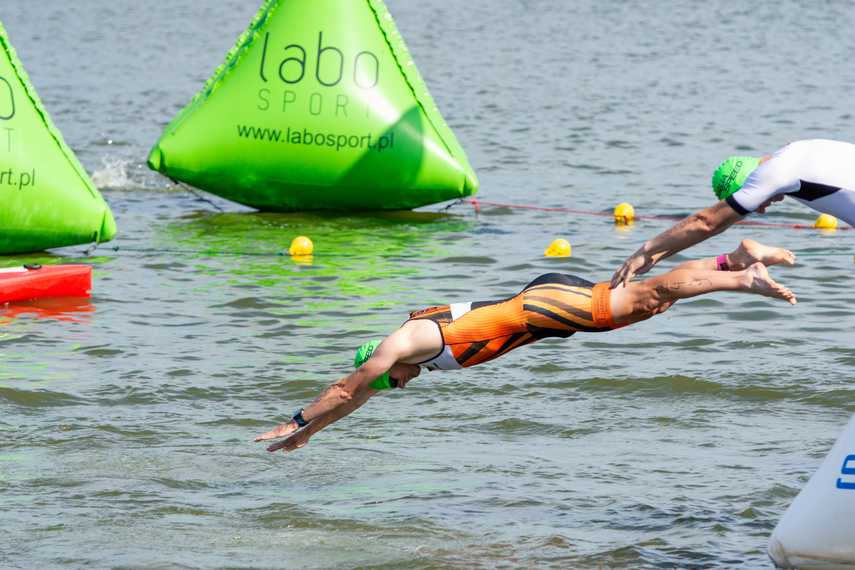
(731, 175)
(364, 353)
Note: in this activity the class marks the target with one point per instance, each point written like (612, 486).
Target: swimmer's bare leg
(640, 300)
(746, 254)
(750, 252)
(756, 279)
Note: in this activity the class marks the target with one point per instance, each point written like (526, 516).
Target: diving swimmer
(460, 335)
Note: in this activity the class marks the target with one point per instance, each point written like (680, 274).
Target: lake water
(126, 425)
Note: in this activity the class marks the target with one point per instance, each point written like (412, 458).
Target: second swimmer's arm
(688, 232)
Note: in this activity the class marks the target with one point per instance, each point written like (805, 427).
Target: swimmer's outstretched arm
(343, 397)
(338, 400)
(686, 233)
(300, 438)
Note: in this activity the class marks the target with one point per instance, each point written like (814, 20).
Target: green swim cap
(364, 353)
(731, 175)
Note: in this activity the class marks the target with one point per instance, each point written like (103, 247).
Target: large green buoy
(318, 106)
(46, 198)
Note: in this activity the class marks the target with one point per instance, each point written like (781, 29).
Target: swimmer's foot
(756, 279)
(750, 252)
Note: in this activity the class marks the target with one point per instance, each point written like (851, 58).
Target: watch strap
(298, 417)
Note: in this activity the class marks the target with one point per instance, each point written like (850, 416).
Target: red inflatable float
(31, 282)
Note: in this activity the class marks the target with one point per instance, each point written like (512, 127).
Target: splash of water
(114, 173)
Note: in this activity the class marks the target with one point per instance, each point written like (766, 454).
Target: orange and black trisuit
(553, 305)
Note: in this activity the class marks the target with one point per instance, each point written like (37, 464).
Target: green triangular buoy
(318, 106)
(46, 198)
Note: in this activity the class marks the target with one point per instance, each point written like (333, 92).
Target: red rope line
(523, 207)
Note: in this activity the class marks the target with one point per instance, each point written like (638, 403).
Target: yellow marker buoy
(826, 222)
(624, 213)
(558, 248)
(301, 246)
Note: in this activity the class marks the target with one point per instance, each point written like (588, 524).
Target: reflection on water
(72, 309)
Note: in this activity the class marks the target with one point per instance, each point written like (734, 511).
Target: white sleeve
(775, 176)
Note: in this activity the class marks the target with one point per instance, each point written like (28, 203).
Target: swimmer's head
(364, 353)
(731, 175)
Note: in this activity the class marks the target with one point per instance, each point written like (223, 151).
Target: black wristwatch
(298, 417)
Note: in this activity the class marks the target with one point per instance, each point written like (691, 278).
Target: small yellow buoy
(558, 248)
(624, 213)
(301, 246)
(826, 222)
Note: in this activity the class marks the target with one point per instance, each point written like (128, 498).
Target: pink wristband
(721, 261)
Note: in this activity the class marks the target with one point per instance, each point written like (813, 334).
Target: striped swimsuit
(553, 305)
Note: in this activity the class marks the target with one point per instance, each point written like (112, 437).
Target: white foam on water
(114, 174)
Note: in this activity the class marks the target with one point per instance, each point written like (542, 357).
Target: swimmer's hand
(283, 430)
(294, 441)
(636, 264)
